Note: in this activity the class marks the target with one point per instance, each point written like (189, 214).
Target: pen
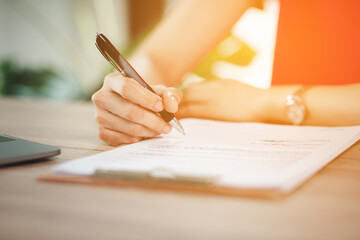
(111, 54)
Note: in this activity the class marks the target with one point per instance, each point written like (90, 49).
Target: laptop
(14, 150)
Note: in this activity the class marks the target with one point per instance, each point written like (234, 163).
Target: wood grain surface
(325, 207)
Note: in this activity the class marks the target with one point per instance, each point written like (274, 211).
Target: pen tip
(176, 124)
(97, 34)
(181, 129)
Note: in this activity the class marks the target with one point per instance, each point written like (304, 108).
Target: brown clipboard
(164, 186)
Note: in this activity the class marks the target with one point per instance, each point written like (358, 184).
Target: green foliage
(15, 80)
(30, 82)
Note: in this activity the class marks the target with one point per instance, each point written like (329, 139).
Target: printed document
(235, 155)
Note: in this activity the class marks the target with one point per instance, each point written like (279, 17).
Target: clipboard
(149, 184)
(267, 165)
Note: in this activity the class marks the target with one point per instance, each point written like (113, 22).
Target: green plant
(30, 82)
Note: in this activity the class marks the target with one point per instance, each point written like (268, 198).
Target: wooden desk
(326, 207)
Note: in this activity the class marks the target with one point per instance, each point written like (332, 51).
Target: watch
(295, 107)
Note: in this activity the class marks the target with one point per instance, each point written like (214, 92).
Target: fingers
(171, 97)
(122, 108)
(115, 138)
(110, 121)
(161, 89)
(194, 110)
(196, 92)
(126, 112)
(194, 104)
(131, 90)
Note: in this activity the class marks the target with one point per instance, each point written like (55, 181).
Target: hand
(126, 112)
(225, 100)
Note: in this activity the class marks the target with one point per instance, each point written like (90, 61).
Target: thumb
(171, 97)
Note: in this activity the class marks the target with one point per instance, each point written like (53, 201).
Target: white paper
(239, 155)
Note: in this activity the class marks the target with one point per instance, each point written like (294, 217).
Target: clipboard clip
(162, 175)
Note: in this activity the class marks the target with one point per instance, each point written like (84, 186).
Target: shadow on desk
(26, 163)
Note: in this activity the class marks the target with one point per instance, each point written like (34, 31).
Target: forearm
(185, 36)
(148, 70)
(325, 105)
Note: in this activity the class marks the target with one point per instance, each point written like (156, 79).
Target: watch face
(295, 110)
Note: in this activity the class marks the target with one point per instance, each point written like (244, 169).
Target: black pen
(111, 54)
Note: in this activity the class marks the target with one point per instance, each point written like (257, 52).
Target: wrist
(147, 69)
(274, 104)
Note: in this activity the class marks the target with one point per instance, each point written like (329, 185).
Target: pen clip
(111, 54)
(106, 48)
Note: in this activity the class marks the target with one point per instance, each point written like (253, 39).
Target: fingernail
(173, 98)
(159, 106)
(167, 129)
(176, 106)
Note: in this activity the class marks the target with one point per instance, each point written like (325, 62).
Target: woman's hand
(126, 112)
(225, 100)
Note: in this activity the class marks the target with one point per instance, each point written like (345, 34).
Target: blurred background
(47, 46)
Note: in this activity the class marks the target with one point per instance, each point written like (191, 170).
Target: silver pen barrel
(176, 124)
